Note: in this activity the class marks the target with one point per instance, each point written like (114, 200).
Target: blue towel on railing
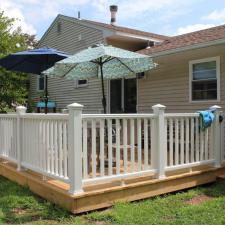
(207, 118)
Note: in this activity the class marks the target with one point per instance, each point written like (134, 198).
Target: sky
(168, 17)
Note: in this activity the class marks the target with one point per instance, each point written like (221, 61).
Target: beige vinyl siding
(168, 84)
(63, 91)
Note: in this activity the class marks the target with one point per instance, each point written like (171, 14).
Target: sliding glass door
(123, 96)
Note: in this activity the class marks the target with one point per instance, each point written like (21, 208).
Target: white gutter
(190, 47)
(141, 37)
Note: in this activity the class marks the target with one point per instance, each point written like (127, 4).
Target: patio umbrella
(104, 62)
(34, 61)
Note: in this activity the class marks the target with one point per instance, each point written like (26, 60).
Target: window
(81, 83)
(40, 83)
(204, 79)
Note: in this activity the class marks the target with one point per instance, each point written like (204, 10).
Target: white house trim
(81, 85)
(37, 86)
(191, 63)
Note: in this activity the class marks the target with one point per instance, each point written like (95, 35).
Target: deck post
(217, 125)
(20, 110)
(160, 140)
(75, 148)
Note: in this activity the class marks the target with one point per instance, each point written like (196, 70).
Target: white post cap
(21, 109)
(215, 107)
(75, 106)
(158, 106)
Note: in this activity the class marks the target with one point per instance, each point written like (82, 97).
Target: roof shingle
(197, 37)
(127, 30)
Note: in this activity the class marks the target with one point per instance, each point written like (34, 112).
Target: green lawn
(203, 205)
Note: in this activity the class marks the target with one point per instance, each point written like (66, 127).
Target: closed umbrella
(104, 62)
(34, 61)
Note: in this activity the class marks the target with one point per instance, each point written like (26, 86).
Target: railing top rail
(45, 116)
(117, 116)
(181, 115)
(11, 115)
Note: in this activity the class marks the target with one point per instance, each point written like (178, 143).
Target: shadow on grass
(215, 189)
(19, 205)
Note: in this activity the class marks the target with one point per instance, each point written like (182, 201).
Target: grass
(19, 206)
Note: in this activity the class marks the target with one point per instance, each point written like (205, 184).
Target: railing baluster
(93, 134)
(109, 122)
(48, 146)
(39, 143)
(211, 143)
(192, 140)
(85, 153)
(145, 144)
(33, 145)
(139, 133)
(201, 145)
(102, 148)
(182, 141)
(60, 149)
(206, 144)
(65, 149)
(132, 143)
(187, 141)
(52, 146)
(56, 158)
(171, 142)
(117, 146)
(125, 145)
(197, 139)
(176, 142)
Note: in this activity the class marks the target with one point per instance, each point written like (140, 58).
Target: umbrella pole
(103, 90)
(46, 94)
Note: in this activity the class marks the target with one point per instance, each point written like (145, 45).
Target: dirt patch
(199, 199)
(19, 211)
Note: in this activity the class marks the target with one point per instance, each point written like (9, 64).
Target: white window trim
(38, 90)
(81, 85)
(217, 59)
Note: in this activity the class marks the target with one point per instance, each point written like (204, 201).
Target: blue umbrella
(34, 61)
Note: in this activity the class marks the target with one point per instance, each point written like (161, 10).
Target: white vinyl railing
(8, 128)
(45, 145)
(88, 148)
(187, 144)
(116, 145)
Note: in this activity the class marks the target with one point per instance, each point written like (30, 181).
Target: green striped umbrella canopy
(103, 62)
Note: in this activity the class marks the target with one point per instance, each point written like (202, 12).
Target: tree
(13, 86)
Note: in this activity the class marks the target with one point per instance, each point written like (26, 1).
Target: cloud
(216, 15)
(133, 8)
(142, 14)
(15, 11)
(194, 27)
(31, 12)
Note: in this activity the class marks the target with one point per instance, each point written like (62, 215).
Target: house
(71, 35)
(189, 77)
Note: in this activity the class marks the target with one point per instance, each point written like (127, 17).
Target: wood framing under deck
(101, 196)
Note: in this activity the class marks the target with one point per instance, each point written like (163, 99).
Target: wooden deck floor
(105, 195)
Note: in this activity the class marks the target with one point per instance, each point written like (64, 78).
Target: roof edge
(95, 26)
(47, 31)
(186, 48)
